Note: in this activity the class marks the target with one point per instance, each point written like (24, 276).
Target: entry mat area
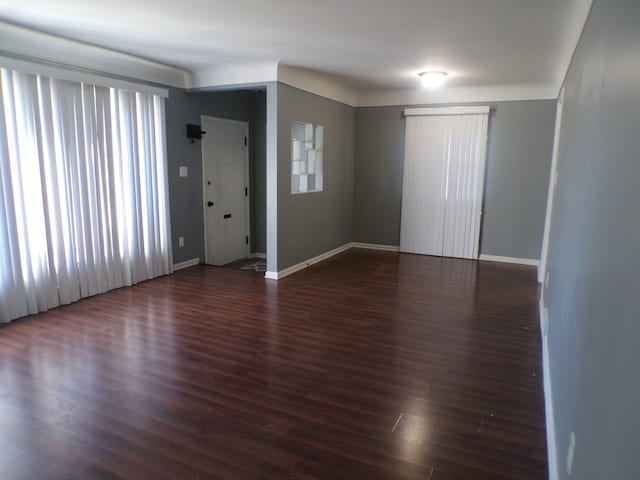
(255, 265)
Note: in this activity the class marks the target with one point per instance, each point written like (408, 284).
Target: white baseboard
(307, 263)
(552, 451)
(258, 255)
(376, 246)
(271, 275)
(186, 264)
(520, 261)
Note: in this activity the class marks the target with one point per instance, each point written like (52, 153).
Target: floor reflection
(370, 365)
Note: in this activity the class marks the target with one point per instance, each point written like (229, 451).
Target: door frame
(553, 180)
(247, 202)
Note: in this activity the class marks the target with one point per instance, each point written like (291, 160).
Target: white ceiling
(368, 44)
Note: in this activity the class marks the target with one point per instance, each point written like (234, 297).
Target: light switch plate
(184, 171)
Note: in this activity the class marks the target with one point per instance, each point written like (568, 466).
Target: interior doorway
(225, 168)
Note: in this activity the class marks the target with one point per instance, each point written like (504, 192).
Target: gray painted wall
(186, 204)
(378, 175)
(312, 223)
(259, 175)
(516, 179)
(594, 266)
(185, 194)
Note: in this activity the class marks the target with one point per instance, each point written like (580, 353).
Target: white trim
(573, 27)
(75, 75)
(306, 263)
(553, 180)
(376, 246)
(258, 255)
(450, 94)
(552, 451)
(373, 246)
(544, 316)
(419, 112)
(233, 74)
(318, 83)
(39, 47)
(329, 86)
(186, 264)
(520, 261)
(325, 86)
(272, 176)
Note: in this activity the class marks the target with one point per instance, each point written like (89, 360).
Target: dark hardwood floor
(368, 366)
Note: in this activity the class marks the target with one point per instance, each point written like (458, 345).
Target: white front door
(225, 173)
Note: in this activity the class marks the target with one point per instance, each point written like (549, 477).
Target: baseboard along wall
(186, 264)
(324, 256)
(552, 450)
(306, 263)
(519, 261)
(373, 246)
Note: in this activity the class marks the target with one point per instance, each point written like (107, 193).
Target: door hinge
(245, 141)
(246, 191)
(246, 239)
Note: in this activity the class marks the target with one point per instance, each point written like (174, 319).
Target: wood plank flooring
(371, 365)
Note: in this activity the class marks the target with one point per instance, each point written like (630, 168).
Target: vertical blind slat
(84, 202)
(442, 184)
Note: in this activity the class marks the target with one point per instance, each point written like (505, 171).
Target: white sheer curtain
(84, 193)
(444, 162)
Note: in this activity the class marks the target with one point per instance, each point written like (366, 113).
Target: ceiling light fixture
(432, 79)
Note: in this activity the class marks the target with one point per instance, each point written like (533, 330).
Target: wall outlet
(181, 241)
(184, 171)
(571, 451)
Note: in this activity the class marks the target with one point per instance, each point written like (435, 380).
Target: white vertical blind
(84, 201)
(425, 178)
(444, 163)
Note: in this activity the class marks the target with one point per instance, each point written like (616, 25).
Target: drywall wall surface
(516, 176)
(185, 193)
(259, 175)
(378, 175)
(186, 202)
(313, 223)
(593, 262)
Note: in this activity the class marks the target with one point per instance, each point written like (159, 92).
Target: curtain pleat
(84, 200)
(442, 184)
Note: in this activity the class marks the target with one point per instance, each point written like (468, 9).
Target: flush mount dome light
(432, 79)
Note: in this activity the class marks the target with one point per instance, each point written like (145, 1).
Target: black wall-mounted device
(194, 132)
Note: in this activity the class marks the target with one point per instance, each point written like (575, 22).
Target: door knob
(209, 204)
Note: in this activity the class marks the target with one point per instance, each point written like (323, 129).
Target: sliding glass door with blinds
(444, 162)
(84, 202)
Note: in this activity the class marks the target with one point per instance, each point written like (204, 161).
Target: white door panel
(225, 180)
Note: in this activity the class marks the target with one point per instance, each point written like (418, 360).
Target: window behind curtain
(83, 199)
